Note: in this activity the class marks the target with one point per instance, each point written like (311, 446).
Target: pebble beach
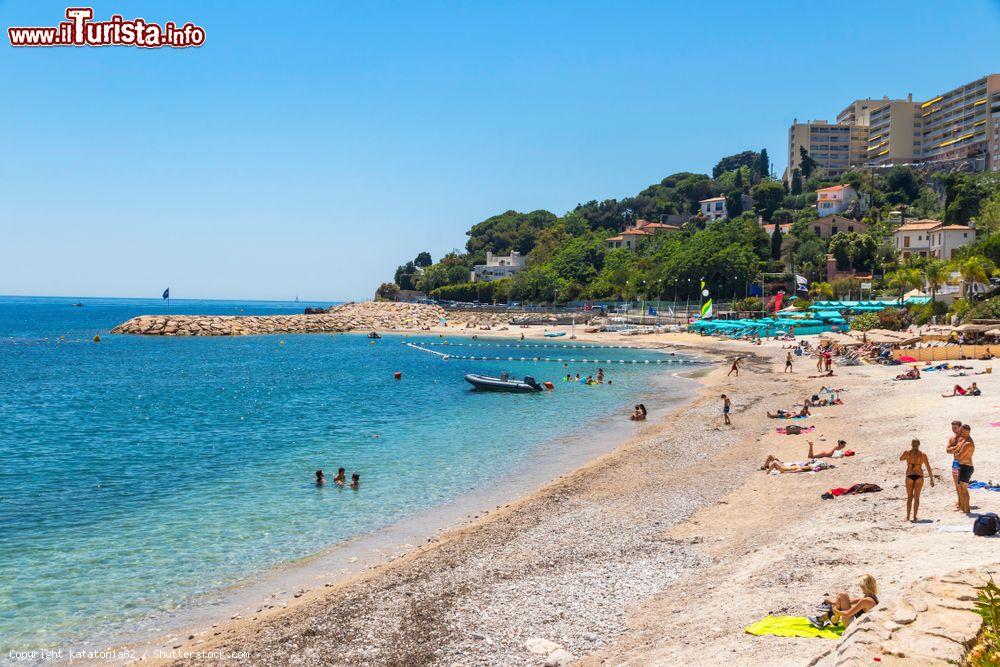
(663, 550)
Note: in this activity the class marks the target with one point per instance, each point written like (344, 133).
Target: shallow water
(141, 472)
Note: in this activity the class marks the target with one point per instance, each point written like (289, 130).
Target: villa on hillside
(629, 239)
(497, 266)
(835, 199)
(932, 238)
(714, 208)
(834, 224)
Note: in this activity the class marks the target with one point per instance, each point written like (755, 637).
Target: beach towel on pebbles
(794, 429)
(852, 490)
(792, 626)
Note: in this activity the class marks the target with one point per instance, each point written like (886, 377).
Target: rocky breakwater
(369, 316)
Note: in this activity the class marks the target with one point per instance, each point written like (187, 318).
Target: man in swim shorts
(726, 406)
(963, 454)
(956, 427)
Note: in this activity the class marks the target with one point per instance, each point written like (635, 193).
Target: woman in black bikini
(916, 460)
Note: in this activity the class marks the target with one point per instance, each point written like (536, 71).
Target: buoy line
(566, 360)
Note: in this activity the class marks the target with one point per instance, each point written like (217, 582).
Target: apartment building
(964, 123)
(895, 134)
(836, 147)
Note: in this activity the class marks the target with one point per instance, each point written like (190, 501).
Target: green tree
(776, 242)
(853, 251)
(734, 203)
(767, 197)
(974, 269)
(935, 274)
(806, 163)
(988, 220)
(903, 280)
(423, 259)
(763, 165)
(796, 188)
(386, 292)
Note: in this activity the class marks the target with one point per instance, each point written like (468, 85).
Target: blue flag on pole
(755, 290)
(166, 293)
(652, 311)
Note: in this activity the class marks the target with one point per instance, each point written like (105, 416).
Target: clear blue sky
(310, 147)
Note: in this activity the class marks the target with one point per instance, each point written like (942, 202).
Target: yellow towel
(792, 626)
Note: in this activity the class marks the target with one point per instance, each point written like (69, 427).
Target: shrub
(986, 310)
(865, 322)
(750, 304)
(924, 313)
(986, 652)
(893, 319)
(487, 292)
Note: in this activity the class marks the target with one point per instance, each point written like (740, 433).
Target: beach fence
(946, 352)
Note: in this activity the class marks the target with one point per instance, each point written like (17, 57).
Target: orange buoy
(548, 385)
(397, 375)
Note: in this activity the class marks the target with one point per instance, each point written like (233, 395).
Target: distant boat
(503, 383)
(78, 304)
(555, 334)
(296, 298)
(374, 335)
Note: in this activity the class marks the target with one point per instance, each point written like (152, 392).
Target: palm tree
(935, 274)
(903, 280)
(822, 291)
(974, 269)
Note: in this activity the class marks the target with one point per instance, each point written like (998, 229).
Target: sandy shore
(662, 551)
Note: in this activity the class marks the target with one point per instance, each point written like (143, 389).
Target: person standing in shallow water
(735, 368)
(320, 480)
(355, 481)
(726, 406)
(341, 477)
(916, 461)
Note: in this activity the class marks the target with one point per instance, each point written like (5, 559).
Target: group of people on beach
(340, 479)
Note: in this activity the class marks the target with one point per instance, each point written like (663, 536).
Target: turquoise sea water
(141, 472)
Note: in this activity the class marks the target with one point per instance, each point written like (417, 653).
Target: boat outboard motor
(530, 381)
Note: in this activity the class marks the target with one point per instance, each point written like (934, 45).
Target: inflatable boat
(503, 383)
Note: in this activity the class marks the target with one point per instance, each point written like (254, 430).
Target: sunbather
(844, 609)
(912, 374)
(773, 464)
(835, 453)
(971, 390)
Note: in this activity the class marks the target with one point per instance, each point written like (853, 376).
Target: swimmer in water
(341, 477)
(355, 481)
(320, 480)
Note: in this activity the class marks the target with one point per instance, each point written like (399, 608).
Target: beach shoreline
(681, 491)
(281, 587)
(652, 429)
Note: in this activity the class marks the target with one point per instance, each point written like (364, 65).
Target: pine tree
(776, 242)
(763, 164)
(796, 181)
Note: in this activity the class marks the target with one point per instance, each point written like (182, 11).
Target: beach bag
(986, 524)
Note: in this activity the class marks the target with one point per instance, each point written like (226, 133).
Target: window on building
(816, 230)
(850, 228)
(833, 230)
(906, 243)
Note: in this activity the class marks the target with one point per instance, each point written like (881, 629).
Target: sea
(141, 475)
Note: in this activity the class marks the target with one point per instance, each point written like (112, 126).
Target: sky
(308, 148)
